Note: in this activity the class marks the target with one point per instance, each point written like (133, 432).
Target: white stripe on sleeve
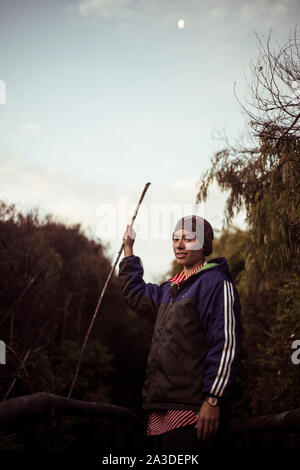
(222, 377)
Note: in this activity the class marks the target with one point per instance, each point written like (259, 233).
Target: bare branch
(273, 112)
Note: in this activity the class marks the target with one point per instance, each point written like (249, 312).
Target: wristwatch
(212, 401)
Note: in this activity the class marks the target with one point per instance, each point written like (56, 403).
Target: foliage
(265, 180)
(51, 279)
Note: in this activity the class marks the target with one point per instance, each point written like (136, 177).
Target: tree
(51, 278)
(274, 112)
(263, 177)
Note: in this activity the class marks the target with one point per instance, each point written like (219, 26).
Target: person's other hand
(208, 421)
(129, 237)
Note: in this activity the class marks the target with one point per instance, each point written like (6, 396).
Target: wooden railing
(267, 431)
(40, 411)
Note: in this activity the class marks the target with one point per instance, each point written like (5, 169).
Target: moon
(180, 24)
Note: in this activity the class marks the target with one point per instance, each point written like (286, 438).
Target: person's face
(185, 246)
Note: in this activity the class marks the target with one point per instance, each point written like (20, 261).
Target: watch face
(213, 401)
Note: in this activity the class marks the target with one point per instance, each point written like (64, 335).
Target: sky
(99, 97)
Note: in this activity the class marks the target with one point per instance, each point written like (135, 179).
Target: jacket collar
(180, 277)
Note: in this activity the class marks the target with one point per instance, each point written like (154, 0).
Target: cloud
(218, 13)
(129, 8)
(105, 8)
(31, 127)
(228, 15)
(6, 117)
(70, 198)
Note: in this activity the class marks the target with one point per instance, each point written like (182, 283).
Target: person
(195, 348)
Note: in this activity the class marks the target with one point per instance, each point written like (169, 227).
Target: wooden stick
(102, 294)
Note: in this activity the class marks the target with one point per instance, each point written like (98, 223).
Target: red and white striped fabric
(160, 421)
